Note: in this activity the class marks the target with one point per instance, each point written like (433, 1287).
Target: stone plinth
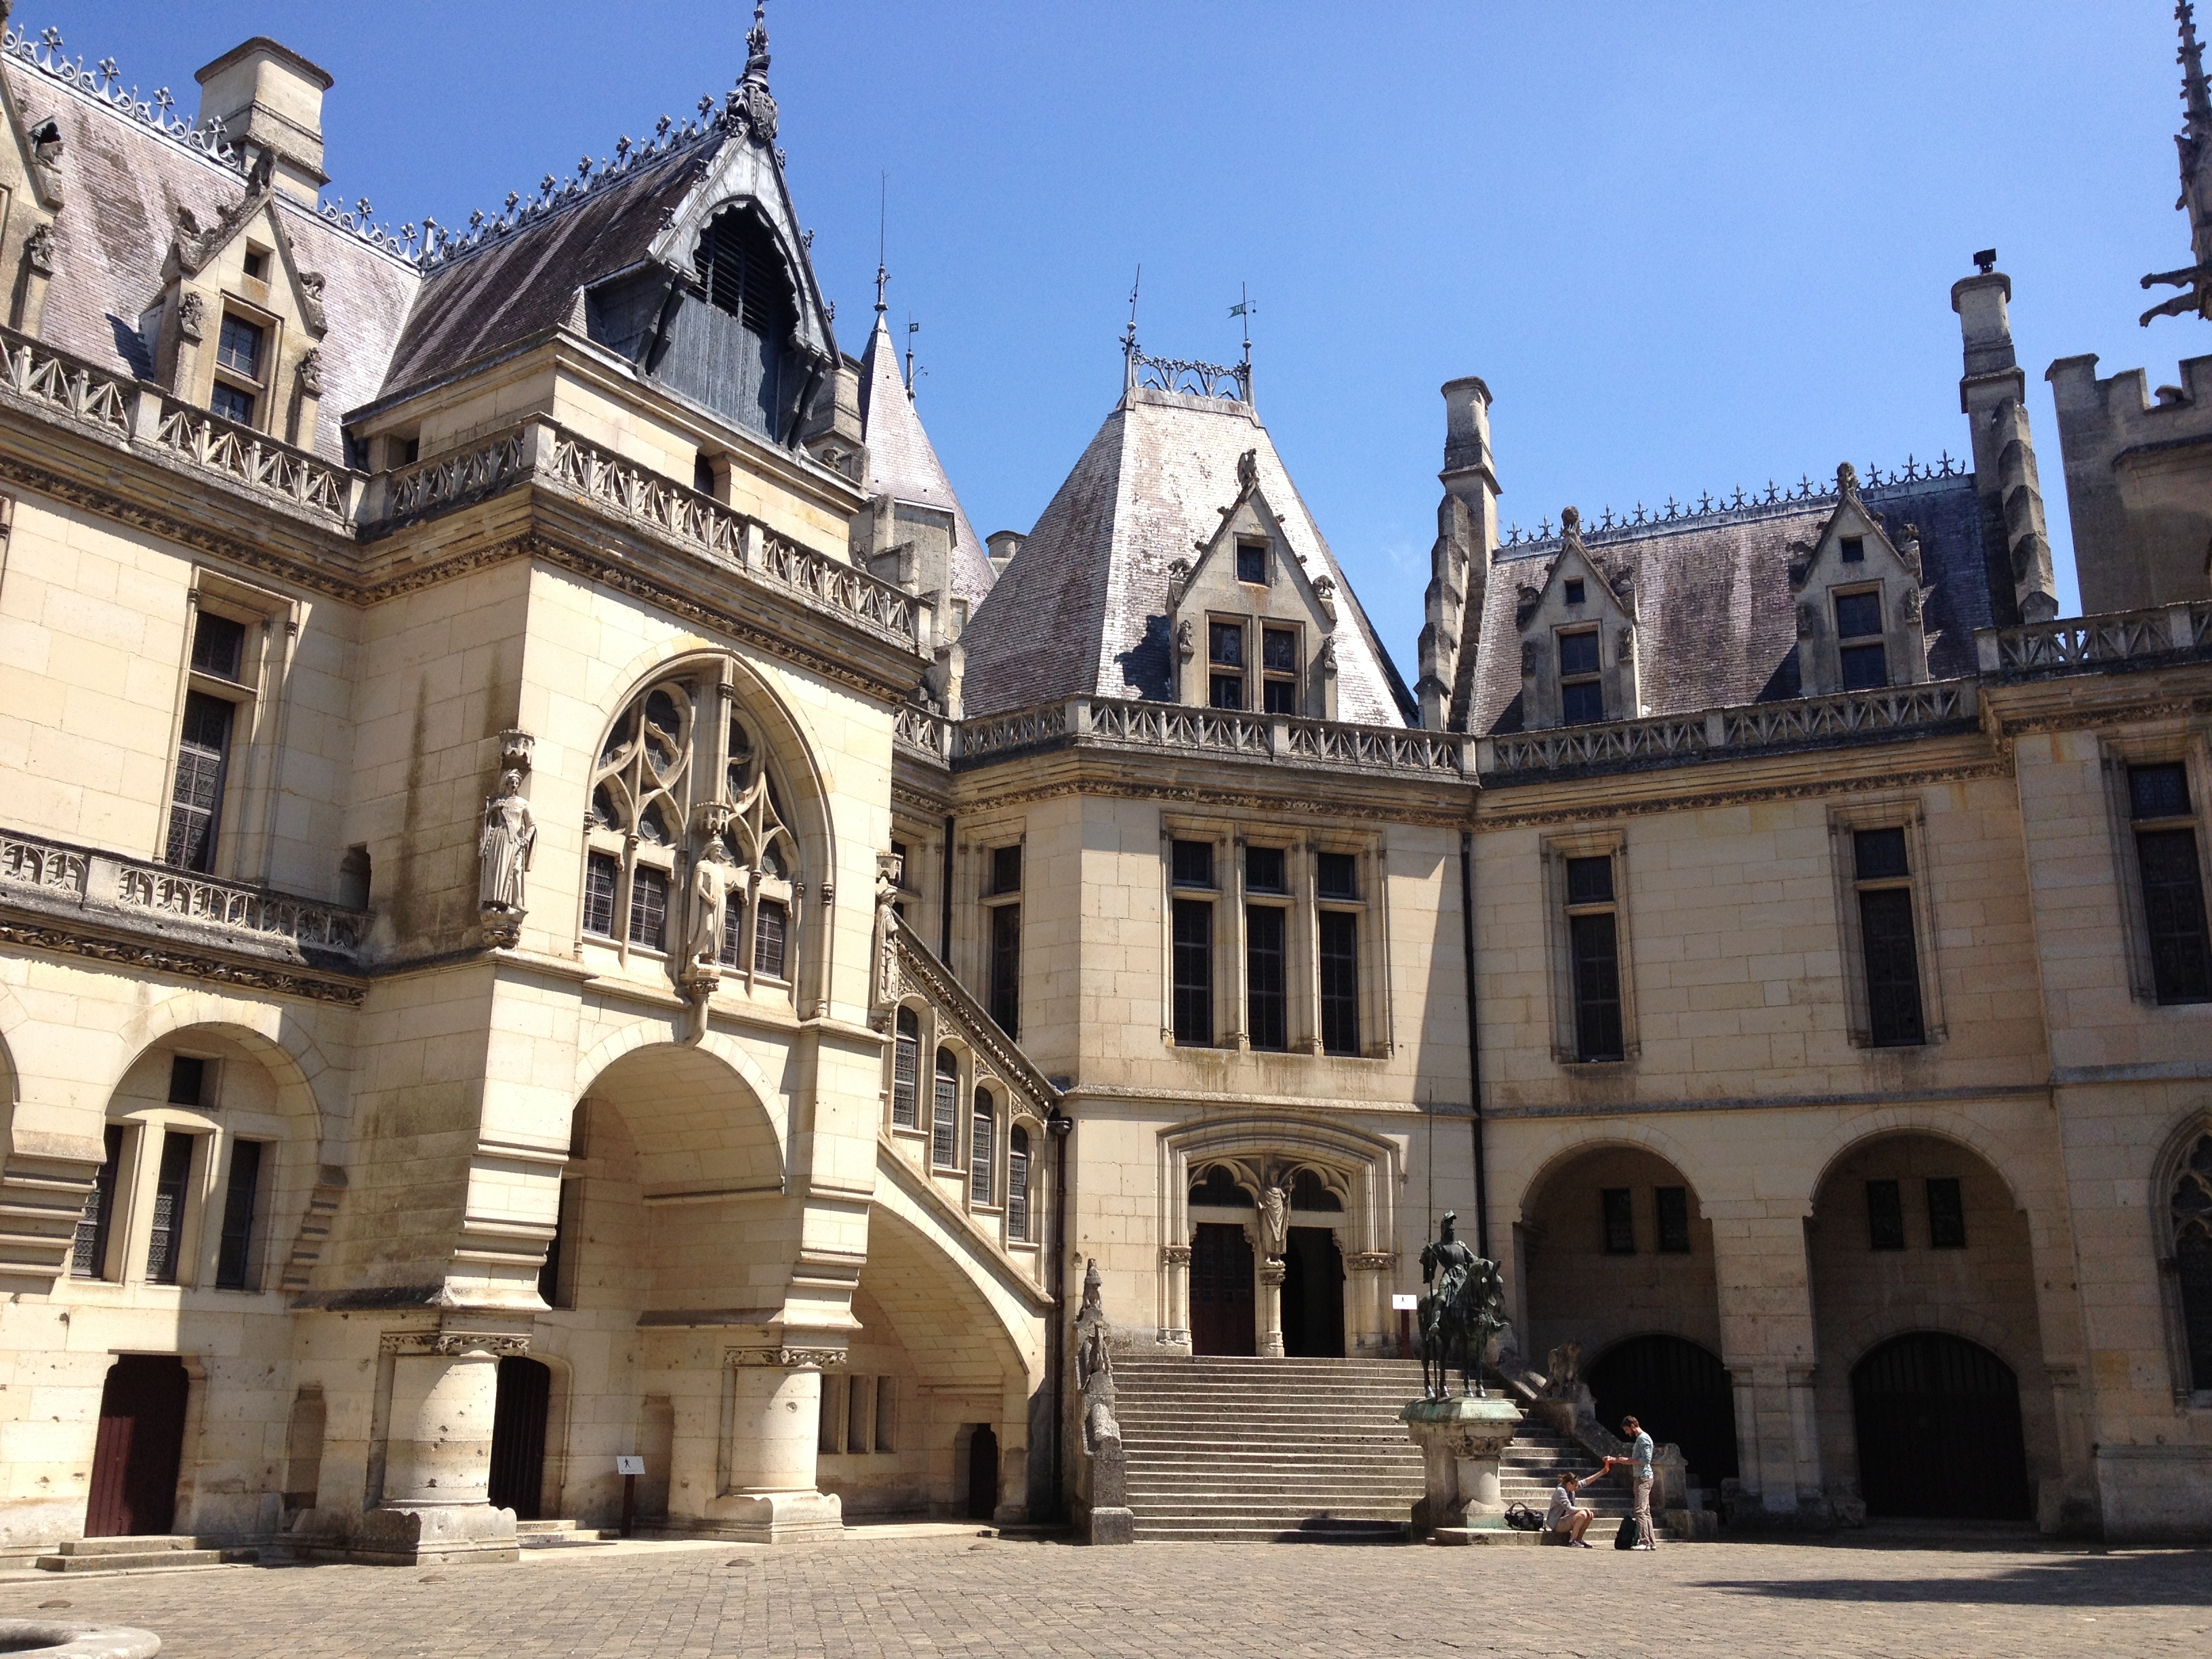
(1460, 1441)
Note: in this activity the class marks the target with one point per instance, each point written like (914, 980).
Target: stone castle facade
(557, 905)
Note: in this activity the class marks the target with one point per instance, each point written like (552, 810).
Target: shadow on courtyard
(2179, 1579)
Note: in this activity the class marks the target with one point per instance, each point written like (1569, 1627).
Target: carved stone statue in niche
(1274, 1221)
(503, 859)
(711, 879)
(891, 871)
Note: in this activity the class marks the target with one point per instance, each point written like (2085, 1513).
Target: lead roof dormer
(1854, 554)
(1581, 596)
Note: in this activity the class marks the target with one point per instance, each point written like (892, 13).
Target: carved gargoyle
(1247, 470)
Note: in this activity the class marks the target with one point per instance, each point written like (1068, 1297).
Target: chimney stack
(270, 98)
(1992, 395)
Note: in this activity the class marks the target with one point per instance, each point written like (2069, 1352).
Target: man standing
(1638, 1464)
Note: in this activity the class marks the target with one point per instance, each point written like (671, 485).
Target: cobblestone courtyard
(943, 1596)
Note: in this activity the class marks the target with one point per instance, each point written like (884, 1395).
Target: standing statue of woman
(1274, 1221)
(503, 846)
(710, 893)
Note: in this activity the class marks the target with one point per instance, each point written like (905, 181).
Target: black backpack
(1627, 1538)
(1522, 1518)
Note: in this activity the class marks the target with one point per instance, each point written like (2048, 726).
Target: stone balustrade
(142, 417)
(133, 896)
(2079, 645)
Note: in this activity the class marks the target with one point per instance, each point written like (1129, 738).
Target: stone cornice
(186, 964)
(1693, 800)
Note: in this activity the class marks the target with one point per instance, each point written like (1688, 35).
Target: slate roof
(530, 281)
(125, 182)
(903, 463)
(1083, 608)
(1715, 622)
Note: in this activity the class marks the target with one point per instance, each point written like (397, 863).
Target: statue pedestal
(1460, 1441)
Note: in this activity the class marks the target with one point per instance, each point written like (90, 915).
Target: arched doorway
(1679, 1391)
(982, 1472)
(1914, 1234)
(1939, 1431)
(1221, 1300)
(140, 1448)
(1312, 1295)
(518, 1436)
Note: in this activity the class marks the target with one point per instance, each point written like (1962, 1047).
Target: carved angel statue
(1274, 1220)
(503, 846)
(711, 880)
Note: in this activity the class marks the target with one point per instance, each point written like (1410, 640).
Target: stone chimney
(1004, 544)
(1458, 561)
(270, 98)
(1992, 395)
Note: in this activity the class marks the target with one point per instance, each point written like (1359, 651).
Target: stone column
(1270, 1306)
(1767, 1344)
(437, 1465)
(774, 1421)
(1370, 1287)
(1175, 1262)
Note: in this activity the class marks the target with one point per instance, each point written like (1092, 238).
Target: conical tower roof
(903, 463)
(1083, 607)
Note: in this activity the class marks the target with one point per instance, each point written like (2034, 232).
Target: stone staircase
(1302, 1448)
(135, 1554)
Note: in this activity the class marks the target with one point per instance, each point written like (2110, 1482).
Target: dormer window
(257, 264)
(1582, 693)
(1279, 664)
(1858, 635)
(1574, 590)
(743, 272)
(1224, 654)
(241, 350)
(1252, 562)
(1854, 550)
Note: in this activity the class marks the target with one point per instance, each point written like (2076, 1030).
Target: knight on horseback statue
(1461, 1313)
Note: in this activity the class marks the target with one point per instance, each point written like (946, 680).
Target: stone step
(1149, 1532)
(138, 1560)
(142, 1544)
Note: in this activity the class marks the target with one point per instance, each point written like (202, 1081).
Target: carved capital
(1371, 1261)
(502, 925)
(1174, 1255)
(790, 1359)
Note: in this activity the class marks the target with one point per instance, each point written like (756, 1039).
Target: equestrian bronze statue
(1459, 1315)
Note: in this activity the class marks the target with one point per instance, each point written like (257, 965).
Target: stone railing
(2079, 644)
(64, 385)
(731, 537)
(1745, 728)
(142, 416)
(131, 893)
(254, 459)
(449, 480)
(1121, 723)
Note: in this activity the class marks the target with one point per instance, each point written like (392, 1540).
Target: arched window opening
(676, 785)
(1017, 1185)
(982, 1149)
(905, 1071)
(1219, 1188)
(2191, 1212)
(744, 273)
(1307, 1193)
(944, 1113)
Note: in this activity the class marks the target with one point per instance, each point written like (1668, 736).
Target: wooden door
(1679, 1391)
(1221, 1310)
(141, 1444)
(518, 1436)
(1938, 1420)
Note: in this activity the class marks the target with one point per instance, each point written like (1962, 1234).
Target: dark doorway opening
(1938, 1420)
(1221, 1290)
(140, 1448)
(1678, 1392)
(982, 1472)
(1312, 1295)
(518, 1436)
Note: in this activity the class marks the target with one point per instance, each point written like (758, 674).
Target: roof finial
(2195, 143)
(883, 219)
(757, 45)
(1130, 335)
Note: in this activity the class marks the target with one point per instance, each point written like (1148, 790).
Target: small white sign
(629, 1465)
(1402, 1303)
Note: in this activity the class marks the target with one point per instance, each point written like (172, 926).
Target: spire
(2194, 141)
(749, 105)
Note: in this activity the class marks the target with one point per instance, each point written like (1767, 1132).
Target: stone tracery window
(2192, 1218)
(680, 769)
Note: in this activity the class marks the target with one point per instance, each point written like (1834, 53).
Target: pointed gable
(1084, 608)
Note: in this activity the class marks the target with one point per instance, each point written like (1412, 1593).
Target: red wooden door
(141, 1444)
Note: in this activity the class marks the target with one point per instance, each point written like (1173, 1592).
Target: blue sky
(1687, 247)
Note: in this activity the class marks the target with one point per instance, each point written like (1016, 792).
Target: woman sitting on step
(1566, 1521)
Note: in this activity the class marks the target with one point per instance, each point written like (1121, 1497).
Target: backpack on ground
(1522, 1518)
